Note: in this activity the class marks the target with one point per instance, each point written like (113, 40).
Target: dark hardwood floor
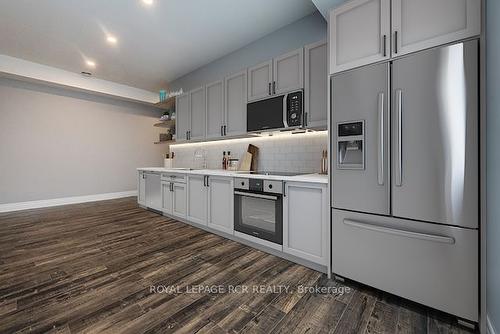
(91, 268)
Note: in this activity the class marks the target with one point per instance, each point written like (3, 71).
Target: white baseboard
(63, 201)
(489, 326)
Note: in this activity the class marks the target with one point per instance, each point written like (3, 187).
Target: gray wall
(493, 164)
(309, 29)
(58, 143)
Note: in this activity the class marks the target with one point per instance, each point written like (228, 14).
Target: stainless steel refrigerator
(405, 177)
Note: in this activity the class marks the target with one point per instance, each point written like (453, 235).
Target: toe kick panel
(431, 264)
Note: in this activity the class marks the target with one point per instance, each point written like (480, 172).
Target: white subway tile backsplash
(291, 153)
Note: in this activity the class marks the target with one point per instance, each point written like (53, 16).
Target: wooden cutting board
(246, 162)
(254, 151)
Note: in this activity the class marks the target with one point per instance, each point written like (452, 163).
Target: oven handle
(274, 198)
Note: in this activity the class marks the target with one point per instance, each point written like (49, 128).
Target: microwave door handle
(285, 121)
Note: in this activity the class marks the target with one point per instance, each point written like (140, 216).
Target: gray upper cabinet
(359, 34)
(260, 78)
(367, 31)
(197, 105)
(315, 85)
(235, 103)
(215, 109)
(288, 72)
(182, 116)
(445, 21)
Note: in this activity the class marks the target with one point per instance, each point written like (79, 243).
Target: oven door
(259, 215)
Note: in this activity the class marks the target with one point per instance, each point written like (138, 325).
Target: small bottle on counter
(224, 160)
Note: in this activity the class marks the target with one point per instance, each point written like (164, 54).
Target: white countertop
(312, 178)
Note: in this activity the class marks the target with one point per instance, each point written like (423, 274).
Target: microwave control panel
(294, 105)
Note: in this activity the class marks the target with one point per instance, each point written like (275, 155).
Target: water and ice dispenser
(351, 145)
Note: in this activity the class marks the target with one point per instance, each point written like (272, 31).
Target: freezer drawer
(430, 264)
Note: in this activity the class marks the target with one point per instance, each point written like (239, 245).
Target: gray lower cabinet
(305, 219)
(174, 195)
(315, 85)
(182, 117)
(179, 201)
(221, 204)
(166, 197)
(197, 199)
(215, 109)
(141, 188)
(235, 104)
(152, 191)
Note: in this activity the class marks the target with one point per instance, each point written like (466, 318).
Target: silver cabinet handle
(270, 89)
(274, 87)
(171, 186)
(399, 147)
(240, 193)
(208, 184)
(384, 45)
(398, 232)
(380, 139)
(396, 42)
(225, 130)
(221, 130)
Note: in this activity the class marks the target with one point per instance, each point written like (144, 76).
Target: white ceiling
(156, 44)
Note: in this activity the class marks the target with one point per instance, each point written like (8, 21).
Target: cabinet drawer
(173, 177)
(431, 264)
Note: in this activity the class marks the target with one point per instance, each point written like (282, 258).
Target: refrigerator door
(360, 135)
(435, 141)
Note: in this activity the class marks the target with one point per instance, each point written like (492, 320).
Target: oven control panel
(272, 186)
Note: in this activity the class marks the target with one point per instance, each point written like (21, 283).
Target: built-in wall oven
(258, 208)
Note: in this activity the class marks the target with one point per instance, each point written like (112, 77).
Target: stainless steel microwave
(276, 113)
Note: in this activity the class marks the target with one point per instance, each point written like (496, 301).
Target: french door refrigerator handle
(399, 107)
(380, 173)
(398, 232)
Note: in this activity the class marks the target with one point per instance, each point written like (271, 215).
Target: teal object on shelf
(163, 95)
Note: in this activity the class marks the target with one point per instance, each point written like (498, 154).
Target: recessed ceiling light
(90, 63)
(148, 2)
(111, 39)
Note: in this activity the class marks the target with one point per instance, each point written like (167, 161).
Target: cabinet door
(315, 85)
(141, 189)
(235, 95)
(288, 72)
(197, 199)
(221, 204)
(167, 197)
(423, 24)
(197, 105)
(215, 109)
(182, 116)
(260, 79)
(179, 200)
(153, 191)
(359, 34)
(305, 222)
